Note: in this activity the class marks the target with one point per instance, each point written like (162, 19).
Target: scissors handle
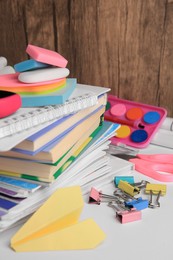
(158, 158)
(153, 170)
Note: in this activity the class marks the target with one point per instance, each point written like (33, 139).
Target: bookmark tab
(129, 189)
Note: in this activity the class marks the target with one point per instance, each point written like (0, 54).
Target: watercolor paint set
(139, 122)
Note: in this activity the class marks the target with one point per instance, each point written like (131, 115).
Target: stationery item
(129, 179)
(2, 212)
(62, 125)
(41, 75)
(163, 138)
(6, 204)
(57, 228)
(138, 204)
(9, 103)
(46, 56)
(44, 172)
(3, 62)
(13, 191)
(95, 197)
(123, 215)
(152, 165)
(140, 122)
(54, 98)
(53, 151)
(10, 82)
(80, 166)
(129, 216)
(19, 183)
(167, 124)
(7, 70)
(127, 188)
(29, 65)
(155, 189)
(83, 96)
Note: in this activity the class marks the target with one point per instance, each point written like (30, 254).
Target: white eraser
(7, 70)
(3, 62)
(41, 75)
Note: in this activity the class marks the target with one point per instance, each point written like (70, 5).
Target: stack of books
(67, 150)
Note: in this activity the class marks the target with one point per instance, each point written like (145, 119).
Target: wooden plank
(141, 29)
(62, 25)
(85, 36)
(12, 31)
(166, 67)
(40, 23)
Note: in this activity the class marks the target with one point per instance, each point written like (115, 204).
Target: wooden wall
(126, 45)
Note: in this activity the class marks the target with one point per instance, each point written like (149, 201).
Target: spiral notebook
(27, 121)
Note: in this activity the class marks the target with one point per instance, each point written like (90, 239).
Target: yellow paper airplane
(55, 226)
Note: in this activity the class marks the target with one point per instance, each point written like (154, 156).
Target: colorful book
(19, 168)
(49, 172)
(28, 121)
(55, 150)
(53, 98)
(54, 131)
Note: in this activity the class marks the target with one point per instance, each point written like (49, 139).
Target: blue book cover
(53, 98)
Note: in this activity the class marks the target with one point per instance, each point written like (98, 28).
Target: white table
(149, 238)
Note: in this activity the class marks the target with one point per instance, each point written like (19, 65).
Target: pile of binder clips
(127, 206)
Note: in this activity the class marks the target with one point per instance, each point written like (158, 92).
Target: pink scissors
(152, 165)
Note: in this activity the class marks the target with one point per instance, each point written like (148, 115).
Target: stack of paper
(164, 136)
(62, 152)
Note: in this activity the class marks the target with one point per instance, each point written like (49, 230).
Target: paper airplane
(55, 226)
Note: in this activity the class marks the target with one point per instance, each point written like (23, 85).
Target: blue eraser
(29, 65)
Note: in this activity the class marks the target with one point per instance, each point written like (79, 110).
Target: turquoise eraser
(29, 65)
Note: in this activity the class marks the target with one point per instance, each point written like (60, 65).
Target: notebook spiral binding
(41, 115)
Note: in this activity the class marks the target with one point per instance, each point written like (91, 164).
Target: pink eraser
(46, 56)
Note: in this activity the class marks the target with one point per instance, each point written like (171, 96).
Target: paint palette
(139, 122)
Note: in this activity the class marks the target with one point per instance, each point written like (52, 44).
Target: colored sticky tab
(128, 216)
(156, 188)
(129, 179)
(55, 225)
(129, 189)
